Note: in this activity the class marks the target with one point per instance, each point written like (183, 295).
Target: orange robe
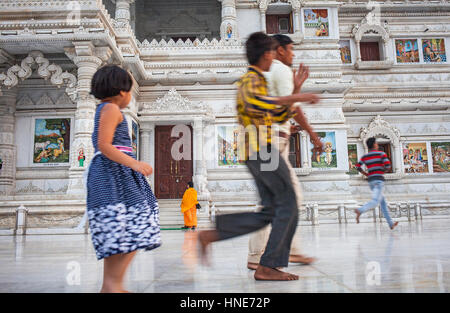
(188, 207)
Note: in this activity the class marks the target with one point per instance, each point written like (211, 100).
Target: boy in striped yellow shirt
(257, 112)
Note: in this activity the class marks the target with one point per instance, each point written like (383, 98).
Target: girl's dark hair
(190, 184)
(109, 81)
(258, 44)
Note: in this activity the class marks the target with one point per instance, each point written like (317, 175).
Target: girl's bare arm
(109, 119)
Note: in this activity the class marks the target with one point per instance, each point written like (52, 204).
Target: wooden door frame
(155, 156)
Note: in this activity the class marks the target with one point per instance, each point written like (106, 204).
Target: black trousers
(279, 208)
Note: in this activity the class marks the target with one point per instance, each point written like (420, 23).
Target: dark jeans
(279, 209)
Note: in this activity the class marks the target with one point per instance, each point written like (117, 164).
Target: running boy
(257, 109)
(376, 162)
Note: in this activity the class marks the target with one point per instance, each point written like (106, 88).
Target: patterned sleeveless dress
(122, 210)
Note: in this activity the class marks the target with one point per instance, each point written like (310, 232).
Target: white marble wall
(248, 22)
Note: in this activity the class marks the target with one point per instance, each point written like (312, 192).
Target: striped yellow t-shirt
(255, 107)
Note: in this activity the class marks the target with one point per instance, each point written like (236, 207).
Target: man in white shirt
(283, 81)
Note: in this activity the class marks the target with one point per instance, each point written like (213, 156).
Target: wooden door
(272, 24)
(386, 148)
(370, 51)
(171, 176)
(294, 150)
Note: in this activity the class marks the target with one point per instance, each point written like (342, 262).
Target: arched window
(372, 46)
(388, 137)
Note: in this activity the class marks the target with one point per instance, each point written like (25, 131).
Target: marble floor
(367, 257)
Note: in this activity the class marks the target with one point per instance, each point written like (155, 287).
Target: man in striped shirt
(376, 162)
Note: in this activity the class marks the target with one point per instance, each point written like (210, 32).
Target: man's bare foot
(298, 258)
(111, 289)
(357, 215)
(205, 237)
(267, 273)
(394, 225)
(252, 266)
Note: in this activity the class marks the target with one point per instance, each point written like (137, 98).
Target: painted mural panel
(415, 157)
(228, 139)
(316, 23)
(352, 159)
(434, 50)
(441, 156)
(407, 50)
(328, 158)
(346, 55)
(51, 141)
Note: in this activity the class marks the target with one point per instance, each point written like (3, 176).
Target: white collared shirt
(280, 82)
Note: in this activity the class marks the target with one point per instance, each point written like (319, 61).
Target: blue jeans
(377, 187)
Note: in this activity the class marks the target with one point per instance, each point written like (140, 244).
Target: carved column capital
(123, 14)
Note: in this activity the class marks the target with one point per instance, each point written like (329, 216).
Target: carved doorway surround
(386, 133)
(173, 109)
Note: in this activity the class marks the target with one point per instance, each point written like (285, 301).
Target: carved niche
(379, 128)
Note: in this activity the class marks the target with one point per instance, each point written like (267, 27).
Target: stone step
(170, 213)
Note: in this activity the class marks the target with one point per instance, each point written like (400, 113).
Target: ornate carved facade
(381, 68)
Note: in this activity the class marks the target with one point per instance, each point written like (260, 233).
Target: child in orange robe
(189, 207)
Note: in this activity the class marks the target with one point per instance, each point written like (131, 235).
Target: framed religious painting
(434, 50)
(440, 152)
(352, 159)
(345, 49)
(407, 50)
(328, 158)
(52, 137)
(230, 139)
(316, 23)
(415, 157)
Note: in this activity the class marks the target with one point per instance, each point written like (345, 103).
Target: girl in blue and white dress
(123, 212)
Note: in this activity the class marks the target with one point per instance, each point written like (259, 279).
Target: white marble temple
(363, 257)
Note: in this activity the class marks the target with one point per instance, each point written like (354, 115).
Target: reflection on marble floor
(352, 258)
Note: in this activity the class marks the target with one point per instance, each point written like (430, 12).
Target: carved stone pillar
(297, 19)
(358, 51)
(262, 12)
(84, 58)
(228, 28)
(200, 174)
(304, 150)
(147, 148)
(8, 152)
(123, 14)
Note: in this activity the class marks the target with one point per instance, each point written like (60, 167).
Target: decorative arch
(370, 29)
(379, 127)
(173, 104)
(263, 4)
(45, 70)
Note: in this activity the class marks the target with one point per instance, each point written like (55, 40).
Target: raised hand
(300, 76)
